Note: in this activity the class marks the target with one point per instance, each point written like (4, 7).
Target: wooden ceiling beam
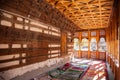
(85, 13)
(85, 19)
(100, 13)
(91, 14)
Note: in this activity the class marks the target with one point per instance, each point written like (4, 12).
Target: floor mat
(80, 69)
(96, 71)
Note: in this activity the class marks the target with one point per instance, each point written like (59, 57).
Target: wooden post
(63, 43)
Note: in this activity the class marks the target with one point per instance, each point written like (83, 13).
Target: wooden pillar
(80, 55)
(118, 71)
(89, 55)
(97, 53)
(63, 43)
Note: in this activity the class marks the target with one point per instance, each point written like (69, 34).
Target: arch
(93, 44)
(76, 44)
(102, 45)
(84, 44)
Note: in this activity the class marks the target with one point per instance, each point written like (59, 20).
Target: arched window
(93, 44)
(76, 44)
(102, 45)
(84, 44)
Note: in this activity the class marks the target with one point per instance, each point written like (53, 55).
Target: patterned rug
(96, 71)
(80, 69)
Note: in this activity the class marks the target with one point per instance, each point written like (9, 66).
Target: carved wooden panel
(102, 55)
(93, 55)
(89, 42)
(76, 55)
(84, 54)
(93, 33)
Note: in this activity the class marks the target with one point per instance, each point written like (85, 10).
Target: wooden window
(93, 44)
(84, 34)
(102, 45)
(76, 44)
(93, 33)
(102, 32)
(84, 44)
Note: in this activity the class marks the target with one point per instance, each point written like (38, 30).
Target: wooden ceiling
(87, 14)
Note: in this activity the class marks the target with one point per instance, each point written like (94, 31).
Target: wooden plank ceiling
(87, 14)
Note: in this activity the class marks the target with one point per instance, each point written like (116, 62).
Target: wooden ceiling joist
(86, 14)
